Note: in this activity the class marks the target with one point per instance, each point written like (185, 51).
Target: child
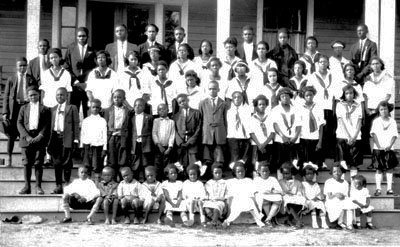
(214, 67)
(348, 133)
(294, 200)
(247, 49)
(64, 137)
(173, 48)
(108, 197)
(337, 201)
(194, 93)
(261, 64)
(311, 55)
(181, 65)
(152, 194)
(205, 55)
(54, 78)
(271, 86)
(172, 190)
(262, 133)
(102, 80)
(268, 193)
(314, 197)
(128, 194)
(360, 196)
(80, 194)
(116, 117)
(384, 134)
(349, 75)
(33, 124)
(94, 139)
(312, 122)
(298, 81)
(230, 59)
(163, 137)
(193, 194)
(216, 193)
(241, 196)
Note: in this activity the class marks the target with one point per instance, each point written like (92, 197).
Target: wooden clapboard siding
(397, 43)
(243, 13)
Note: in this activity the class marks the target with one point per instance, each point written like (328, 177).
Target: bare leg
(106, 206)
(114, 211)
(161, 208)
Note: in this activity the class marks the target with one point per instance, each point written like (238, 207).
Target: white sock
(378, 180)
(349, 217)
(389, 178)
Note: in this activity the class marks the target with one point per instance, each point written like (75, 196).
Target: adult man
(151, 33)
(247, 49)
(39, 64)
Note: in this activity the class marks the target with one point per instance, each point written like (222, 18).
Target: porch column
(387, 34)
(159, 21)
(82, 8)
(310, 18)
(372, 19)
(33, 28)
(223, 24)
(185, 18)
(55, 24)
(260, 20)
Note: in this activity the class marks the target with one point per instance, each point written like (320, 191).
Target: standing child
(260, 65)
(360, 196)
(241, 197)
(94, 139)
(298, 81)
(181, 65)
(314, 197)
(150, 68)
(384, 134)
(194, 93)
(152, 194)
(247, 49)
(271, 87)
(80, 194)
(269, 193)
(310, 56)
(108, 197)
(128, 194)
(230, 59)
(214, 67)
(205, 54)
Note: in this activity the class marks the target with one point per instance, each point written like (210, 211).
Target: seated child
(268, 193)
(193, 193)
(172, 190)
(360, 196)
(108, 197)
(152, 194)
(80, 194)
(241, 197)
(294, 200)
(216, 192)
(128, 195)
(314, 196)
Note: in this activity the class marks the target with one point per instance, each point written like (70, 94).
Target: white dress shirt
(164, 131)
(139, 126)
(60, 115)
(119, 116)
(94, 131)
(238, 129)
(248, 51)
(121, 46)
(82, 50)
(34, 116)
(85, 188)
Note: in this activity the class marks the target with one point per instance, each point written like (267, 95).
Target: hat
(284, 90)
(154, 48)
(242, 63)
(338, 43)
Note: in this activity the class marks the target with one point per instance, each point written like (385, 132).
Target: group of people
(151, 109)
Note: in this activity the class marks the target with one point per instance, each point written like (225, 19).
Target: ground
(79, 234)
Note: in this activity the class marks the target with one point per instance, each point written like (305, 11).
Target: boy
(213, 111)
(64, 135)
(151, 33)
(247, 50)
(163, 137)
(117, 117)
(39, 64)
(128, 195)
(153, 195)
(94, 139)
(108, 197)
(34, 126)
(188, 127)
(140, 128)
(15, 96)
(80, 194)
(179, 35)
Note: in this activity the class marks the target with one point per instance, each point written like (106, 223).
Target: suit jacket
(171, 51)
(277, 54)
(193, 129)
(144, 53)
(147, 139)
(355, 56)
(43, 125)
(33, 69)
(109, 115)
(113, 50)
(214, 121)
(71, 126)
(78, 67)
(242, 54)
(10, 94)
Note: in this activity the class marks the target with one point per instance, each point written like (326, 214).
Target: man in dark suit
(172, 50)
(34, 129)
(151, 33)
(40, 63)
(64, 135)
(247, 49)
(79, 61)
(120, 48)
(361, 53)
(15, 96)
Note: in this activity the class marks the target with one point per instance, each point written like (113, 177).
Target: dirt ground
(80, 234)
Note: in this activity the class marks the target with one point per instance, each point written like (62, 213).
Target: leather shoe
(58, 190)
(66, 220)
(25, 191)
(39, 191)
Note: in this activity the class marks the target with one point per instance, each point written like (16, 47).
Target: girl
(384, 135)
(310, 56)
(193, 193)
(193, 91)
(360, 196)
(271, 87)
(349, 71)
(261, 64)
(284, 55)
(213, 74)
(241, 198)
(216, 191)
(152, 193)
(312, 122)
(54, 78)
(261, 133)
(174, 202)
(182, 64)
(205, 55)
(348, 134)
(337, 201)
(314, 197)
(102, 80)
(268, 193)
(298, 81)
(149, 68)
(294, 200)
(230, 59)
(336, 61)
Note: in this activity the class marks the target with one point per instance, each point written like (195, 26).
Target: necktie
(43, 64)
(239, 122)
(213, 103)
(20, 93)
(83, 52)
